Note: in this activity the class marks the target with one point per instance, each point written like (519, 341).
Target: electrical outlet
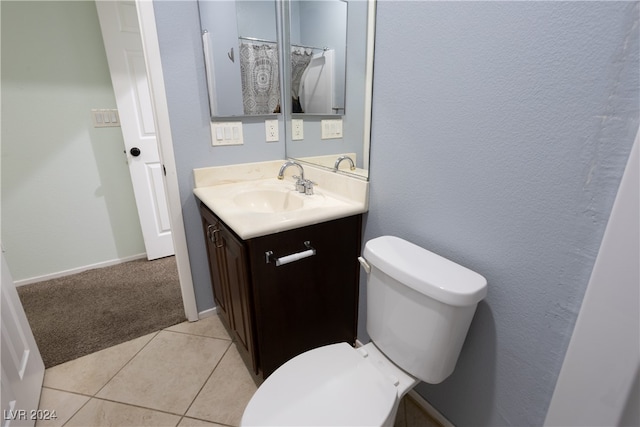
(271, 129)
(297, 129)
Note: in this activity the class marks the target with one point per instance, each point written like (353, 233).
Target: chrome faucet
(340, 159)
(302, 185)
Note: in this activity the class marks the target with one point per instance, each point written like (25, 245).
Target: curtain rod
(254, 39)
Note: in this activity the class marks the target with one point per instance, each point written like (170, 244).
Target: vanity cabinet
(276, 312)
(229, 280)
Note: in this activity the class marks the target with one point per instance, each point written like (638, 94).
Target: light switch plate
(331, 129)
(226, 133)
(297, 129)
(105, 118)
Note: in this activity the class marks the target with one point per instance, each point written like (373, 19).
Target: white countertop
(336, 196)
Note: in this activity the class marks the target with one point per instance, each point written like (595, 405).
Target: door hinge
(164, 170)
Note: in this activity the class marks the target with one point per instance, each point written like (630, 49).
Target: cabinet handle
(216, 240)
(210, 233)
(290, 258)
(213, 237)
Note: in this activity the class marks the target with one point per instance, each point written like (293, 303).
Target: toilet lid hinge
(363, 352)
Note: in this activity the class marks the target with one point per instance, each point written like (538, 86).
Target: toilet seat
(334, 385)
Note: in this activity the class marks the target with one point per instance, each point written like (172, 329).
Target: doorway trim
(151, 49)
(594, 387)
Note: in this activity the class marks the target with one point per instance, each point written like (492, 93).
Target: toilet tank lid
(425, 272)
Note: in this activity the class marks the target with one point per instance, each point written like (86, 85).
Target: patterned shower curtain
(300, 59)
(260, 78)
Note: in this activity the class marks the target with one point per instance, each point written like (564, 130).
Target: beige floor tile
(226, 393)
(88, 374)
(190, 422)
(98, 413)
(208, 327)
(60, 405)
(168, 373)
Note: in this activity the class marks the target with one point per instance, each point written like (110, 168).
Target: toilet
(419, 308)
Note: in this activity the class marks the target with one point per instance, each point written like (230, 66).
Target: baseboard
(69, 272)
(207, 313)
(429, 409)
(422, 402)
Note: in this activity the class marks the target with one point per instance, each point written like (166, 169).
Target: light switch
(226, 133)
(105, 117)
(331, 129)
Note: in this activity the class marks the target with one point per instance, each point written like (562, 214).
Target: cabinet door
(219, 282)
(310, 302)
(235, 261)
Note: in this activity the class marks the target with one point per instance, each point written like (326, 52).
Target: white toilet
(419, 308)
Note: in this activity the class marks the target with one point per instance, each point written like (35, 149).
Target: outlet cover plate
(271, 129)
(297, 129)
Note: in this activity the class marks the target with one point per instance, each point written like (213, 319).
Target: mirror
(240, 41)
(318, 47)
(325, 138)
(246, 43)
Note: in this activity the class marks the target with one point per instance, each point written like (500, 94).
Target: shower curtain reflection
(300, 58)
(260, 78)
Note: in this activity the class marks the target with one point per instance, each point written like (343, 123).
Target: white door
(22, 366)
(123, 45)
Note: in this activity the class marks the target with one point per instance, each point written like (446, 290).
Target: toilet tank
(419, 306)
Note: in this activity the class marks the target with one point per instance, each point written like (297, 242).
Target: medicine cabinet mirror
(310, 60)
(242, 61)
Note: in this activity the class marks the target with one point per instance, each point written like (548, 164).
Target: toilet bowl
(420, 306)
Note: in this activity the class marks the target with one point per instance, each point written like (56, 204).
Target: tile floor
(189, 374)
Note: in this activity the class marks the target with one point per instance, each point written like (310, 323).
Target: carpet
(76, 315)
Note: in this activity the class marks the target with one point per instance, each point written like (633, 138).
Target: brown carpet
(80, 314)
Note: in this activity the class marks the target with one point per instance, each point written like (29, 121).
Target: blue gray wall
(500, 133)
(183, 67)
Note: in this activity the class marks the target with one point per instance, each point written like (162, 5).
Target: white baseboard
(207, 313)
(69, 272)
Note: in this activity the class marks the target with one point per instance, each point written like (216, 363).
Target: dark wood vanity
(277, 312)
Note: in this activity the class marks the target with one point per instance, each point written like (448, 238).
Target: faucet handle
(308, 186)
(300, 184)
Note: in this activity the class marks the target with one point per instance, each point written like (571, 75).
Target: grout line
(198, 335)
(207, 380)
(90, 397)
(126, 363)
(70, 392)
(135, 406)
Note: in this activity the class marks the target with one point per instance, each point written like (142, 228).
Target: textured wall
(183, 67)
(67, 199)
(500, 133)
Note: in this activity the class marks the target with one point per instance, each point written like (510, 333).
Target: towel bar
(290, 258)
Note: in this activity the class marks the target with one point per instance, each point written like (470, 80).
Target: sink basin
(269, 201)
